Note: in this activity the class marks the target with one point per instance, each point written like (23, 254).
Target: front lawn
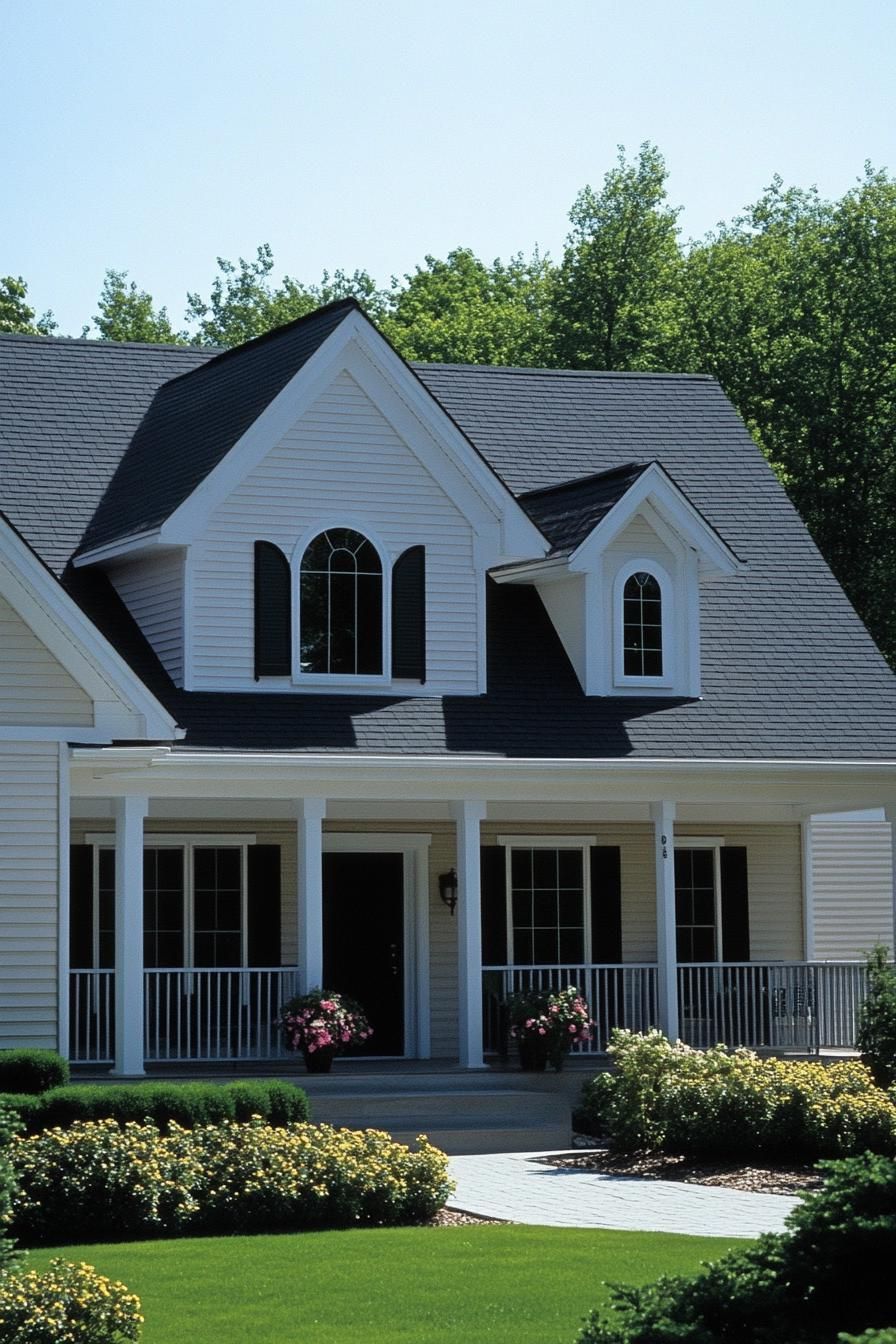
(504, 1285)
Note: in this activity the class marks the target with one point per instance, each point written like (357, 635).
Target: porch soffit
(812, 786)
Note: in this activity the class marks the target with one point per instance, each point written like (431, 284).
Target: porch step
(457, 1119)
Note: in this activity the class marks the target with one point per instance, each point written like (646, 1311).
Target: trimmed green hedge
(724, 1103)
(104, 1181)
(186, 1104)
(32, 1070)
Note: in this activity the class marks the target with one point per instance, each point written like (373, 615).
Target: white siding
(852, 887)
(35, 689)
(342, 463)
(152, 590)
(29, 884)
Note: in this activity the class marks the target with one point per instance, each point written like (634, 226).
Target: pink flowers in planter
(557, 1018)
(320, 1019)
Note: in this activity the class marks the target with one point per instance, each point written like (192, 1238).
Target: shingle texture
(566, 514)
(789, 672)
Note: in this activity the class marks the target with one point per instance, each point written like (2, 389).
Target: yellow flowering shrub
(99, 1179)
(733, 1103)
(66, 1304)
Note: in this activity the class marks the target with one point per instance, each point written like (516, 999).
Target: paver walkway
(514, 1187)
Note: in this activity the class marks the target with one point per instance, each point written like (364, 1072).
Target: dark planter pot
(533, 1054)
(320, 1061)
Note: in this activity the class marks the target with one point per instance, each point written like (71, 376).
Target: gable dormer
(622, 580)
(301, 514)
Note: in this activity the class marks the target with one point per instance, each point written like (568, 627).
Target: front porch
(204, 893)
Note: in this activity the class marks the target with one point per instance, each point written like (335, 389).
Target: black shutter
(735, 904)
(409, 615)
(80, 898)
(493, 878)
(606, 904)
(273, 612)
(263, 905)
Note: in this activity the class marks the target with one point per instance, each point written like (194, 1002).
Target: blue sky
(155, 135)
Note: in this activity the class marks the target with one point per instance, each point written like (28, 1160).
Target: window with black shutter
(273, 606)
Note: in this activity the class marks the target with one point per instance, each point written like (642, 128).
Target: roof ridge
(349, 304)
(574, 481)
(98, 343)
(625, 374)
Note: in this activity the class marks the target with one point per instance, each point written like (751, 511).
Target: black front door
(364, 941)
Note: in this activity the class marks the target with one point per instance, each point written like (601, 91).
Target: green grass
(504, 1285)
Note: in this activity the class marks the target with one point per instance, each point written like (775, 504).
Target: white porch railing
(786, 1006)
(201, 1015)
(618, 996)
(91, 1008)
(190, 1016)
(222, 1014)
(802, 1006)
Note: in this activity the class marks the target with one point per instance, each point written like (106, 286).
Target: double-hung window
(549, 909)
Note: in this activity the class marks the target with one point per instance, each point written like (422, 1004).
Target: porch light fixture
(448, 888)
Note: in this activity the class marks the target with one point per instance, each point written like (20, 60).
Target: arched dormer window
(642, 626)
(341, 605)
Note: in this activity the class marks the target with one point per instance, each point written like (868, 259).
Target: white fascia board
(533, 571)
(656, 488)
(114, 550)
(73, 639)
(808, 786)
(357, 347)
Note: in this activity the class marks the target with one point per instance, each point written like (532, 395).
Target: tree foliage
(16, 314)
(243, 301)
(618, 287)
(126, 313)
(461, 311)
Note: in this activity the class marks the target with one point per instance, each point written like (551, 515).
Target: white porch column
(469, 815)
(129, 816)
(663, 815)
(310, 904)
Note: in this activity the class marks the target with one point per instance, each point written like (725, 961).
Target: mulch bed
(773, 1179)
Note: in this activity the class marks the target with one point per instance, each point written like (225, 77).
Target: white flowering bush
(99, 1179)
(66, 1304)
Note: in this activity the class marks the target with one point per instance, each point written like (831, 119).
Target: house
(425, 682)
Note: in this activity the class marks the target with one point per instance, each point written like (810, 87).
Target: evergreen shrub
(185, 1104)
(829, 1274)
(877, 1019)
(32, 1070)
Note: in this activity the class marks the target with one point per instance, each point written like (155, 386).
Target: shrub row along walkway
(520, 1189)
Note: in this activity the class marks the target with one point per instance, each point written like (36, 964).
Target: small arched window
(341, 605)
(642, 626)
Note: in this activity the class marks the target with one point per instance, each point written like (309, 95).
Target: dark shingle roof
(68, 410)
(788, 669)
(194, 421)
(567, 513)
